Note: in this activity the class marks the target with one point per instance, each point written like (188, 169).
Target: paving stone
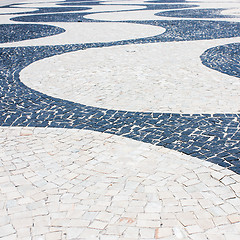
(187, 218)
(89, 233)
(234, 218)
(131, 232)
(194, 229)
(150, 216)
(236, 188)
(6, 230)
(162, 233)
(73, 232)
(22, 222)
(147, 233)
(227, 180)
(205, 224)
(232, 236)
(53, 236)
(98, 225)
(13, 236)
(24, 233)
(71, 170)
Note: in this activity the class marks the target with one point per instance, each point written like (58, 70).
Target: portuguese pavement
(119, 120)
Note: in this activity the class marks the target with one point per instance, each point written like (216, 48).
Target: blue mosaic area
(215, 138)
(196, 13)
(167, 6)
(225, 59)
(20, 32)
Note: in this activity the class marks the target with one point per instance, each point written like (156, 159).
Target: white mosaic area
(90, 33)
(139, 78)
(78, 184)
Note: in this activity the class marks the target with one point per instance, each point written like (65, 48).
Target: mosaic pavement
(120, 120)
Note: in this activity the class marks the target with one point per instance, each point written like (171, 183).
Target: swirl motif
(213, 137)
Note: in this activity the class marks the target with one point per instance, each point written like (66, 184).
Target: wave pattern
(213, 137)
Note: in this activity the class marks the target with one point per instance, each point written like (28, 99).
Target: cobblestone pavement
(120, 120)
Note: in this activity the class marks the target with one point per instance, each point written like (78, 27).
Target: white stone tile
(98, 224)
(6, 230)
(147, 233)
(163, 233)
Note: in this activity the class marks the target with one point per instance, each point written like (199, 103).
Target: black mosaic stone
(166, 6)
(20, 32)
(225, 59)
(196, 13)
